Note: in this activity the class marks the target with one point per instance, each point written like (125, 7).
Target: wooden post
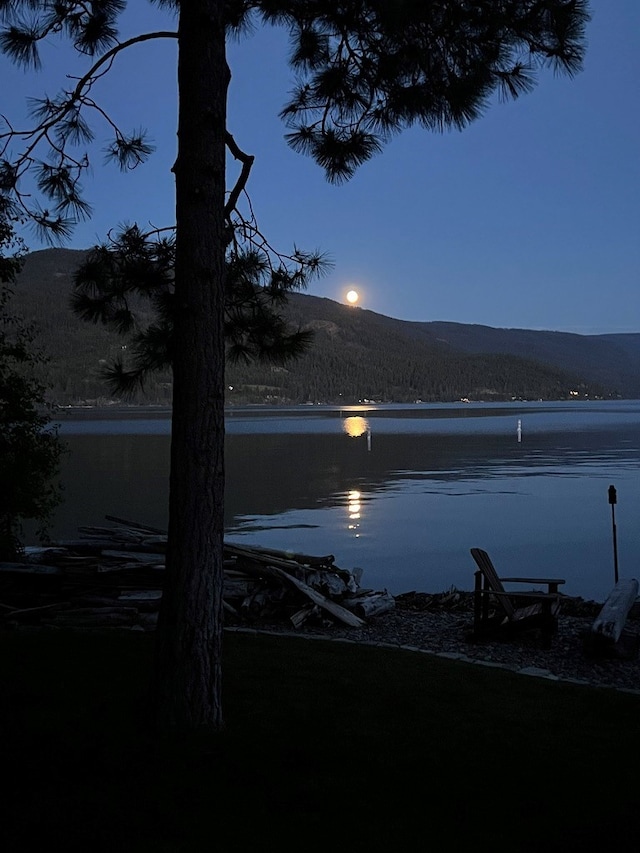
(612, 501)
(479, 606)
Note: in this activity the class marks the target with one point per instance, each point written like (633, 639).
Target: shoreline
(113, 411)
(444, 631)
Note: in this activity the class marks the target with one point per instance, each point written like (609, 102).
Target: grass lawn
(327, 746)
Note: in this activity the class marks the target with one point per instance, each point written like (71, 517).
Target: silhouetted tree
(29, 446)
(366, 69)
(128, 284)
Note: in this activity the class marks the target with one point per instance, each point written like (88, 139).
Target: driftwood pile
(114, 576)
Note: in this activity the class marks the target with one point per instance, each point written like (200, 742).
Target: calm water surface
(400, 491)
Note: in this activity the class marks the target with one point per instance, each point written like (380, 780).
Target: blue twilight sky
(529, 218)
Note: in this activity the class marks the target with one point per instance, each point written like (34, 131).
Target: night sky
(528, 218)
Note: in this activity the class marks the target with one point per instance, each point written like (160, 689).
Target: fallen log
(160, 542)
(115, 567)
(370, 604)
(29, 569)
(43, 553)
(141, 595)
(92, 599)
(147, 621)
(303, 559)
(94, 547)
(257, 556)
(301, 616)
(71, 560)
(87, 617)
(129, 567)
(103, 532)
(226, 606)
(120, 535)
(92, 611)
(316, 597)
(129, 556)
(257, 604)
(145, 600)
(239, 587)
(331, 584)
(91, 547)
(134, 525)
(32, 611)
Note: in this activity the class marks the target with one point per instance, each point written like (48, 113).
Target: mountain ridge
(357, 354)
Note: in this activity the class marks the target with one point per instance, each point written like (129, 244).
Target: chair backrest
(493, 582)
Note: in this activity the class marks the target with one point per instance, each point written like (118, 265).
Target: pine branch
(247, 161)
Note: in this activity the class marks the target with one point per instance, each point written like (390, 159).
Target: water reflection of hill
(306, 461)
(408, 509)
(270, 474)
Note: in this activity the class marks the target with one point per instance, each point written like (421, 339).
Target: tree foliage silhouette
(128, 285)
(365, 69)
(29, 446)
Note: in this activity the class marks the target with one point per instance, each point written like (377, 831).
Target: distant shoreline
(110, 412)
(114, 412)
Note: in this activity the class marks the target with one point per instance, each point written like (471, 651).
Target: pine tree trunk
(189, 641)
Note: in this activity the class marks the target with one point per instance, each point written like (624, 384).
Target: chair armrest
(552, 583)
(539, 596)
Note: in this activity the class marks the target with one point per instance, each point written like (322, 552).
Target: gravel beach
(442, 624)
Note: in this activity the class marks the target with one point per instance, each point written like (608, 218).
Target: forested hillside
(360, 355)
(610, 360)
(357, 354)
(78, 351)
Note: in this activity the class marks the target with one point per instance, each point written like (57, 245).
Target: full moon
(352, 297)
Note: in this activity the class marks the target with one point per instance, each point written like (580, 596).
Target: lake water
(401, 491)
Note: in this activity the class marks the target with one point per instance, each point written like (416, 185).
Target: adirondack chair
(513, 611)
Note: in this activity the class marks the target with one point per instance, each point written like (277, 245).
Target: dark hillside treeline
(357, 354)
(612, 361)
(361, 358)
(77, 350)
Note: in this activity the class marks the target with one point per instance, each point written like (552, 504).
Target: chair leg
(549, 625)
(477, 595)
